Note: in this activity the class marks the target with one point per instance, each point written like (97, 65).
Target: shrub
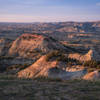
(71, 62)
(24, 66)
(53, 39)
(91, 63)
(17, 66)
(60, 56)
(57, 54)
(91, 69)
(52, 54)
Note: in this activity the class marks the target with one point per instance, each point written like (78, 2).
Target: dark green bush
(52, 54)
(92, 64)
(60, 56)
(17, 66)
(91, 69)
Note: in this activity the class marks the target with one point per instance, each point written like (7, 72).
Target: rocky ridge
(91, 55)
(51, 69)
(30, 45)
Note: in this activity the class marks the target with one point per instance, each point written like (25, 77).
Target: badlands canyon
(60, 53)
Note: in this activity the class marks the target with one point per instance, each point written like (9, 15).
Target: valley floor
(41, 89)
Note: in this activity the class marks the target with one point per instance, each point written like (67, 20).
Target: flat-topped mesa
(29, 45)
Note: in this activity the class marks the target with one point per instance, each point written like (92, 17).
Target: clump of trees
(17, 66)
(53, 54)
(60, 56)
(57, 55)
(92, 64)
(27, 37)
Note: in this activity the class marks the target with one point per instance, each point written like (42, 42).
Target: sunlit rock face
(39, 68)
(91, 55)
(92, 76)
(51, 69)
(29, 45)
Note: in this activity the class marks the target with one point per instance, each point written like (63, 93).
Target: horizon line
(50, 21)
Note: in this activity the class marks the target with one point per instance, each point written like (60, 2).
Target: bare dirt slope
(40, 68)
(52, 69)
(91, 55)
(29, 45)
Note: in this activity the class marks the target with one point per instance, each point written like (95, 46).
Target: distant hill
(50, 27)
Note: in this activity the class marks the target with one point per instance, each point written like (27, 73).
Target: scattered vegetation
(91, 70)
(27, 37)
(75, 41)
(92, 64)
(17, 66)
(53, 54)
(53, 39)
(50, 38)
(60, 56)
(35, 51)
(6, 57)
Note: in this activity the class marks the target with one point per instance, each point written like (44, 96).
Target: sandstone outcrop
(50, 69)
(91, 55)
(30, 45)
(92, 76)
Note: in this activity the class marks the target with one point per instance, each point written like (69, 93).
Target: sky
(49, 10)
